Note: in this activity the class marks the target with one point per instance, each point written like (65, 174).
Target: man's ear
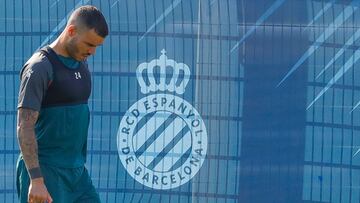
(71, 30)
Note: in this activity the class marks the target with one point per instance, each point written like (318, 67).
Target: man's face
(83, 44)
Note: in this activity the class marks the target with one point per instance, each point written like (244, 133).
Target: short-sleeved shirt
(59, 93)
(35, 78)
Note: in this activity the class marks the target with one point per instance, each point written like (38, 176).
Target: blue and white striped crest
(162, 139)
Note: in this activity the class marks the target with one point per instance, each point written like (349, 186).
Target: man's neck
(58, 47)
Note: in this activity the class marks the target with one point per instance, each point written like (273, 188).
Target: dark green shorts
(64, 185)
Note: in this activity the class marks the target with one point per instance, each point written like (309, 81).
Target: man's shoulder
(38, 59)
(38, 63)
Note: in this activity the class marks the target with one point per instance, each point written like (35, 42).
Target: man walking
(53, 115)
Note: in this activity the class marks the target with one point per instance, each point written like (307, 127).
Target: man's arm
(29, 149)
(27, 140)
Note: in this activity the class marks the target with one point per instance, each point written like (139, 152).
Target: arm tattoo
(27, 140)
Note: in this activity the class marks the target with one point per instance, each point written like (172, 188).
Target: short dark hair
(91, 18)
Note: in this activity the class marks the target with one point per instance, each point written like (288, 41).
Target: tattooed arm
(29, 149)
(27, 140)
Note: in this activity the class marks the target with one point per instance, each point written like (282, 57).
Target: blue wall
(275, 84)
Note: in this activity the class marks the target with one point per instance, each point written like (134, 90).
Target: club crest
(162, 139)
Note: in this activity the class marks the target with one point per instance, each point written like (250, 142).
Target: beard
(71, 48)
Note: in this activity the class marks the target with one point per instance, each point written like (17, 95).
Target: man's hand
(38, 192)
